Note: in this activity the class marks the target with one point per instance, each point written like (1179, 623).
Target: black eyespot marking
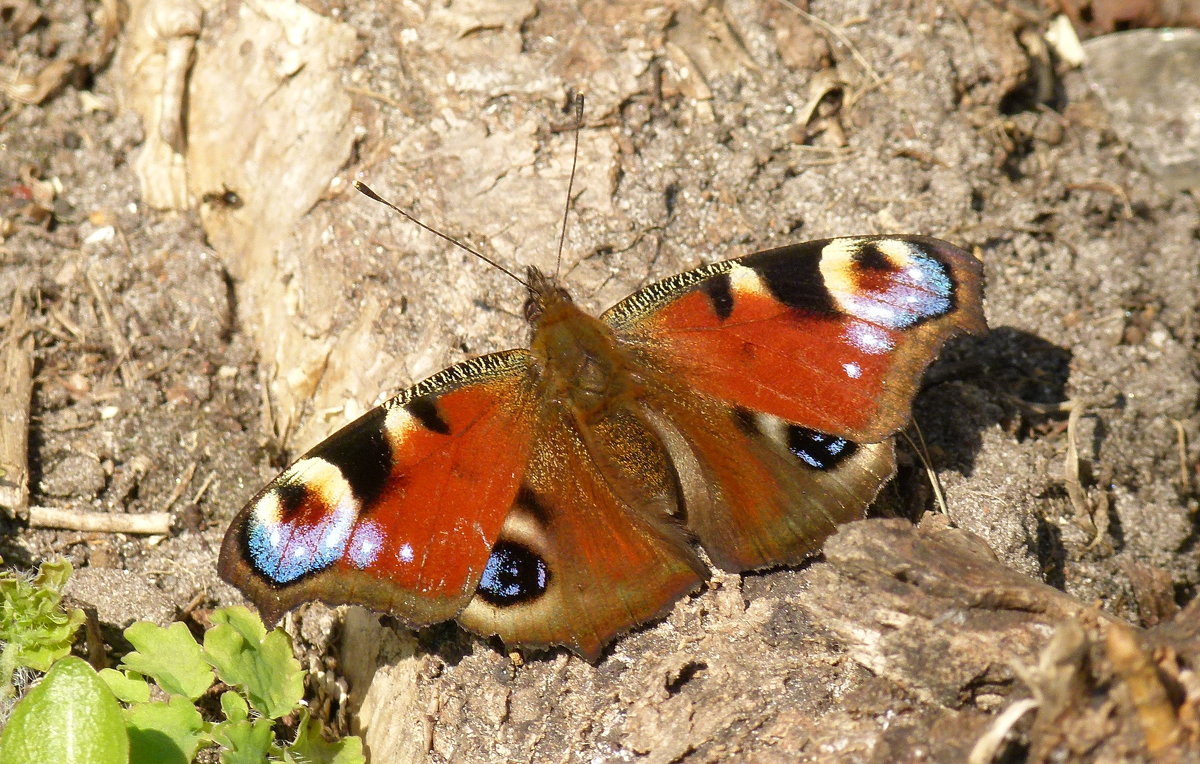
(425, 410)
(818, 450)
(745, 421)
(513, 574)
(719, 294)
(361, 452)
(291, 497)
(529, 501)
(793, 275)
(868, 257)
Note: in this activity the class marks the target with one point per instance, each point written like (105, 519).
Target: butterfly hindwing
(760, 491)
(832, 334)
(590, 547)
(400, 509)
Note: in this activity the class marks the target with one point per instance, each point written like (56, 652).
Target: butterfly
(557, 495)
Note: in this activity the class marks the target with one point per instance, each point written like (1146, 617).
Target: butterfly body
(574, 357)
(557, 495)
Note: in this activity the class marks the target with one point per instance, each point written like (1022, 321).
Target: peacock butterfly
(553, 496)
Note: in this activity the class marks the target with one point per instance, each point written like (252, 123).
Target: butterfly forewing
(832, 335)
(399, 510)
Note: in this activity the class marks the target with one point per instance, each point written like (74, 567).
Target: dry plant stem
(1185, 475)
(95, 640)
(989, 744)
(923, 454)
(120, 344)
(181, 484)
(204, 487)
(376, 96)
(837, 35)
(16, 384)
(149, 523)
(1144, 687)
(1084, 510)
(1106, 187)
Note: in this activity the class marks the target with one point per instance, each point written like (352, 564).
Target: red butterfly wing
(760, 491)
(399, 510)
(776, 380)
(832, 335)
(590, 547)
(538, 500)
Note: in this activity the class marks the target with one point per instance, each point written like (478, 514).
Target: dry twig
(149, 523)
(988, 745)
(181, 484)
(120, 344)
(1185, 475)
(1146, 692)
(934, 481)
(837, 35)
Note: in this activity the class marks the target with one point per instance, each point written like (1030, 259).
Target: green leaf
(234, 706)
(164, 733)
(128, 686)
(70, 718)
(53, 576)
(311, 748)
(34, 628)
(246, 656)
(170, 657)
(244, 742)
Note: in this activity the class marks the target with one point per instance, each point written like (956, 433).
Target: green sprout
(145, 711)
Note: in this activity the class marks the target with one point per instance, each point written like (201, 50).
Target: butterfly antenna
(366, 191)
(562, 236)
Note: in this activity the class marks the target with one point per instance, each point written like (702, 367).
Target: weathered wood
(921, 625)
(16, 384)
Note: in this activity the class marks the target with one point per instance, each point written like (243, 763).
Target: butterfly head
(545, 295)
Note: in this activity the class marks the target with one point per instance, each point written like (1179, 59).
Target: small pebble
(74, 475)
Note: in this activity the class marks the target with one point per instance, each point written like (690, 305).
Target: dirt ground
(207, 297)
